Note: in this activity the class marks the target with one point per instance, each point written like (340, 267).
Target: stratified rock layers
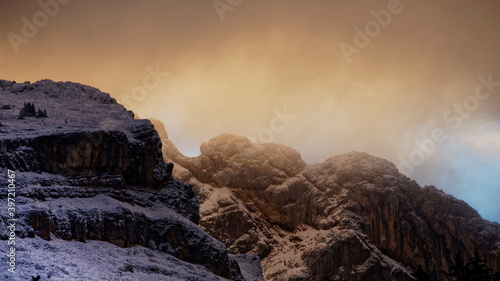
(352, 217)
(90, 171)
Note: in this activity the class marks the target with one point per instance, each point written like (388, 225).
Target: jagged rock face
(108, 148)
(353, 217)
(349, 255)
(234, 161)
(89, 171)
(124, 218)
(416, 226)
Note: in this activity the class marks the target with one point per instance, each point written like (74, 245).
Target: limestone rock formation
(89, 137)
(352, 217)
(91, 172)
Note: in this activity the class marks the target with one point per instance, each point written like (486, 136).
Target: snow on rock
(86, 135)
(352, 217)
(71, 107)
(61, 260)
(90, 172)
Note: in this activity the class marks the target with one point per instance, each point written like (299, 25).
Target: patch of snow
(61, 260)
(66, 113)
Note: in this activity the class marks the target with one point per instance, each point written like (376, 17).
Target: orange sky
(230, 68)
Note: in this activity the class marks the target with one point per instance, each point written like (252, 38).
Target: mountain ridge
(87, 172)
(90, 171)
(280, 196)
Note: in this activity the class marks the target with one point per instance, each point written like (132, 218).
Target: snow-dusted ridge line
(71, 107)
(90, 171)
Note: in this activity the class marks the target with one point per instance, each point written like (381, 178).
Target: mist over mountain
(352, 217)
(91, 198)
(101, 195)
(227, 69)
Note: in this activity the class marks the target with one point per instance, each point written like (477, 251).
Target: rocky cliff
(91, 172)
(95, 200)
(353, 217)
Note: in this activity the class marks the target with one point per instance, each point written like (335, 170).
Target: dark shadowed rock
(90, 171)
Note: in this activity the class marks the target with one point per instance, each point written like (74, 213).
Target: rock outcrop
(353, 217)
(90, 171)
(89, 138)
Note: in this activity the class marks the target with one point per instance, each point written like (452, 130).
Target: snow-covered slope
(71, 107)
(61, 260)
(89, 172)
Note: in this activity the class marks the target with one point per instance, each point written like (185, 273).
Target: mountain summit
(100, 195)
(352, 217)
(93, 198)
